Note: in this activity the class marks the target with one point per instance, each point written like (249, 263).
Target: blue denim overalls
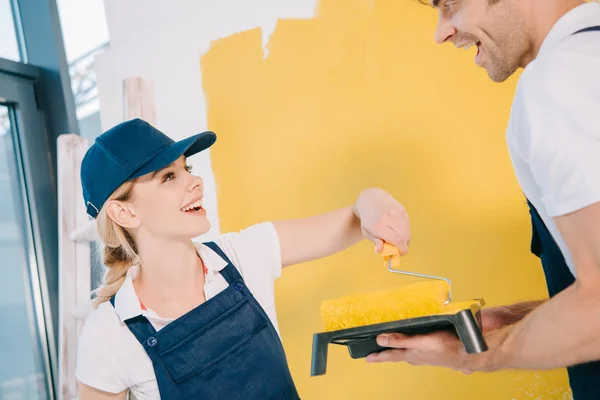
(224, 349)
(585, 378)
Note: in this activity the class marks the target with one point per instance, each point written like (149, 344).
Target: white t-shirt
(554, 130)
(109, 356)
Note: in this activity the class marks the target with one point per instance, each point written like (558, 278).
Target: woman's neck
(171, 279)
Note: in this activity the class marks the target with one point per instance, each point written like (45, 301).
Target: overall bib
(585, 378)
(224, 349)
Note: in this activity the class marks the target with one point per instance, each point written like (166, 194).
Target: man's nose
(444, 31)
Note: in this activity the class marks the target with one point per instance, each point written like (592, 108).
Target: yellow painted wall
(362, 96)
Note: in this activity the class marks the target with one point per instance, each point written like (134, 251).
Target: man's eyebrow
(162, 169)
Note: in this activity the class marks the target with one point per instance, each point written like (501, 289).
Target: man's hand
(383, 219)
(444, 349)
(440, 349)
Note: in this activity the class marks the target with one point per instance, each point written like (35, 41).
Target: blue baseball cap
(127, 151)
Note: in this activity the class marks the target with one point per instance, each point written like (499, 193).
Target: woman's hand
(383, 219)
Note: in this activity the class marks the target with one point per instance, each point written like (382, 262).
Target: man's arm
(493, 318)
(566, 329)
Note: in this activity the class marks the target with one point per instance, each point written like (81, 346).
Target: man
(554, 142)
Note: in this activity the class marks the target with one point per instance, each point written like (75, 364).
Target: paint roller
(426, 306)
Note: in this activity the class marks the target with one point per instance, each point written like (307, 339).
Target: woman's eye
(168, 176)
(189, 168)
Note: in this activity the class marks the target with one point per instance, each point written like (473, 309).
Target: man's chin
(499, 75)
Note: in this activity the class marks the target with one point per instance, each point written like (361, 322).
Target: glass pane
(85, 33)
(9, 47)
(22, 374)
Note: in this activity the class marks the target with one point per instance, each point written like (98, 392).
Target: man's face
(498, 31)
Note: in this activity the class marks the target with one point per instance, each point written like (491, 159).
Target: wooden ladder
(77, 231)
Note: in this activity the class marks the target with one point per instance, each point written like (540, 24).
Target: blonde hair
(120, 250)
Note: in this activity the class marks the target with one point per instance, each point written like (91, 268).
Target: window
(22, 371)
(85, 34)
(9, 47)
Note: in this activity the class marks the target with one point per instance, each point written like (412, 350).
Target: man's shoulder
(566, 73)
(574, 59)
(555, 90)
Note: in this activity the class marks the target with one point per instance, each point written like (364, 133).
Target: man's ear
(123, 214)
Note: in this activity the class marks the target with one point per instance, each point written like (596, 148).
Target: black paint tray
(361, 341)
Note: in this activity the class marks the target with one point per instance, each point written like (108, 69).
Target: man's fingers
(439, 341)
(387, 356)
(396, 340)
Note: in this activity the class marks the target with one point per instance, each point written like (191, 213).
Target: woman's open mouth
(194, 208)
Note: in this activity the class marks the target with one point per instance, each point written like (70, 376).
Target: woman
(182, 320)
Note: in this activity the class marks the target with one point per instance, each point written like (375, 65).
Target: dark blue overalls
(585, 378)
(224, 349)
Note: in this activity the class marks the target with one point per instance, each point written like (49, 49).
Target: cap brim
(186, 147)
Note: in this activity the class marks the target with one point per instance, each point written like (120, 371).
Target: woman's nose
(197, 183)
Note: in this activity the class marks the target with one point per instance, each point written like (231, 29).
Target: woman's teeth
(196, 206)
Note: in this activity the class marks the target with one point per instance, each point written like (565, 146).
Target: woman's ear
(123, 214)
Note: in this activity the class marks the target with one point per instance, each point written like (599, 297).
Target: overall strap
(558, 275)
(230, 272)
(141, 328)
(588, 29)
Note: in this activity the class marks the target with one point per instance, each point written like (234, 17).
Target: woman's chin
(182, 228)
(200, 227)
